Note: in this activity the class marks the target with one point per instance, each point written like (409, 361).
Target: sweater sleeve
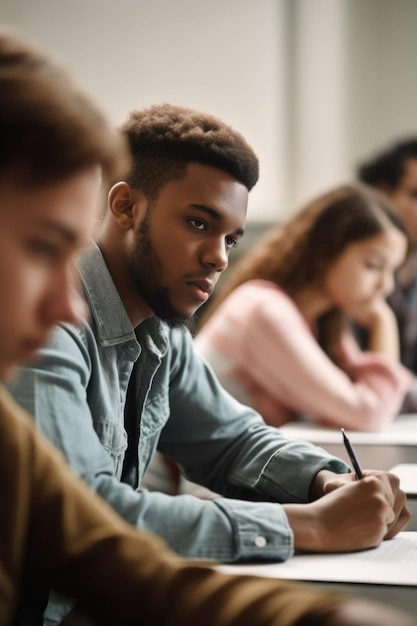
(279, 362)
(63, 532)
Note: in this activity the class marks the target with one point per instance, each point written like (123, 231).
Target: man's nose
(216, 254)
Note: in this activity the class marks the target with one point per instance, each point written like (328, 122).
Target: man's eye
(198, 224)
(231, 242)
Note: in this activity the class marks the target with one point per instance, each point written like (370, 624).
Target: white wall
(320, 93)
(382, 74)
(225, 57)
(314, 85)
(354, 86)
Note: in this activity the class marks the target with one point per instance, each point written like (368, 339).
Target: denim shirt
(77, 390)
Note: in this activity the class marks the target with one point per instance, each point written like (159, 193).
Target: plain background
(314, 85)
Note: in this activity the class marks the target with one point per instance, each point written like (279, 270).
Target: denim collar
(107, 309)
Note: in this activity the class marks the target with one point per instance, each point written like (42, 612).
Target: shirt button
(260, 542)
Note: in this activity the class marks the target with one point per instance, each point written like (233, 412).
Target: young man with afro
(127, 382)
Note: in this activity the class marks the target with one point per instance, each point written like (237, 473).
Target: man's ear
(125, 203)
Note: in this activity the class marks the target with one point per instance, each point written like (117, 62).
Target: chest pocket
(113, 438)
(155, 414)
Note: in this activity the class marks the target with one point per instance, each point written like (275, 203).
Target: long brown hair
(297, 253)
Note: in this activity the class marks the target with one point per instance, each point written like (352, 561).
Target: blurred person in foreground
(53, 529)
(393, 172)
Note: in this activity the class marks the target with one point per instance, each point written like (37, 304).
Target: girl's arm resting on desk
(283, 359)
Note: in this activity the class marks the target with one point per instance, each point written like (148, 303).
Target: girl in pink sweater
(278, 335)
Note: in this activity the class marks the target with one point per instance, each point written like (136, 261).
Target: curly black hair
(164, 138)
(387, 168)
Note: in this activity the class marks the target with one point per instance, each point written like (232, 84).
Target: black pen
(352, 455)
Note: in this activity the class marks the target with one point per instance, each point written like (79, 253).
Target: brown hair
(165, 138)
(298, 253)
(49, 128)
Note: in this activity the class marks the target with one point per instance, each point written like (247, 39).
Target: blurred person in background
(278, 334)
(393, 172)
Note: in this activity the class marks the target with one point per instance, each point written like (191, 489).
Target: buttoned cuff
(261, 530)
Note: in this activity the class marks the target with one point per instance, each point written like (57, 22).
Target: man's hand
(349, 514)
(390, 486)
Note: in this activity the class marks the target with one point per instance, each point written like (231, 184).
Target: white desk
(383, 450)
(387, 574)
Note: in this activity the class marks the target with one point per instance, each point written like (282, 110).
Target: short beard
(146, 273)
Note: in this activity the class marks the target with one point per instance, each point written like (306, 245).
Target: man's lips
(203, 287)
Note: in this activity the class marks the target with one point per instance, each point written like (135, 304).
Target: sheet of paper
(407, 473)
(394, 562)
(402, 432)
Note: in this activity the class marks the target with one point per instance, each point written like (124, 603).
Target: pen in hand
(352, 455)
